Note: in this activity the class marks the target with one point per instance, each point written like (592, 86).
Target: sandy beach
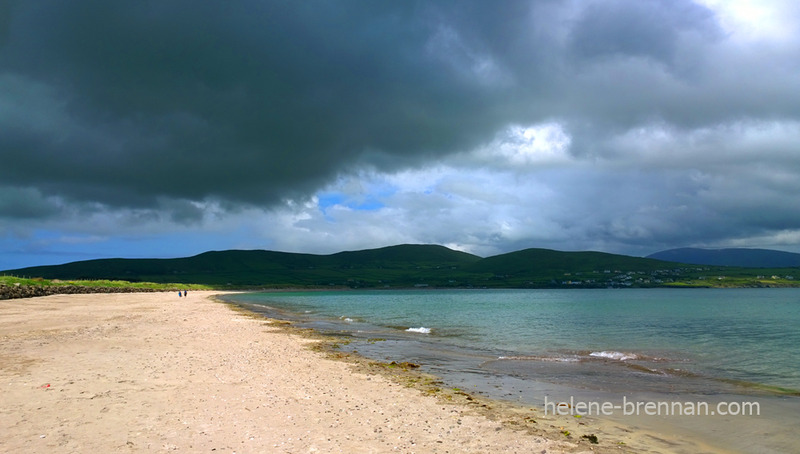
(155, 372)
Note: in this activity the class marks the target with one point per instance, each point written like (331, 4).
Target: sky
(168, 128)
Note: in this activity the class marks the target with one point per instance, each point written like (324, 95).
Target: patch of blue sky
(326, 200)
(368, 202)
(371, 201)
(46, 247)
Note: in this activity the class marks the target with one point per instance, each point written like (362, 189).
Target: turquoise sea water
(527, 345)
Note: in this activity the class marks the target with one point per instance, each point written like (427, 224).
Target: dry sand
(154, 372)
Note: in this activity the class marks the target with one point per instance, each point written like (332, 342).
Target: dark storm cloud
(249, 101)
(26, 204)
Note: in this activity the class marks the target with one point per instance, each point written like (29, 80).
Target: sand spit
(155, 372)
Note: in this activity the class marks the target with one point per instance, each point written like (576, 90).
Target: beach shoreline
(157, 372)
(464, 351)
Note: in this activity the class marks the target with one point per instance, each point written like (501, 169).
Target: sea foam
(554, 359)
(421, 330)
(619, 356)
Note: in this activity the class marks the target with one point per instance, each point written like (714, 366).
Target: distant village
(618, 279)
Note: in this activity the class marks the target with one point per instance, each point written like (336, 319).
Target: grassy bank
(101, 283)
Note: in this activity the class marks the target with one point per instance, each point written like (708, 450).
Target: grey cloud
(648, 29)
(26, 203)
(184, 212)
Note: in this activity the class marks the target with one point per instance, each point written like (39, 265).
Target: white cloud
(745, 142)
(774, 20)
(539, 144)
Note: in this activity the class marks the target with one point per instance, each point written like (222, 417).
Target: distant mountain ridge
(256, 267)
(408, 265)
(537, 261)
(749, 258)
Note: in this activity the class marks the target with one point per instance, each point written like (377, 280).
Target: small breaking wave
(554, 359)
(619, 356)
(420, 330)
(589, 355)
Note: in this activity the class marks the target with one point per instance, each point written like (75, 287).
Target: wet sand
(155, 372)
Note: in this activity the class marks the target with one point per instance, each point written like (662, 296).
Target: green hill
(537, 261)
(398, 265)
(541, 266)
(413, 265)
(404, 256)
(750, 258)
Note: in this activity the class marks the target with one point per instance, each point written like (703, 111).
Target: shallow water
(531, 346)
